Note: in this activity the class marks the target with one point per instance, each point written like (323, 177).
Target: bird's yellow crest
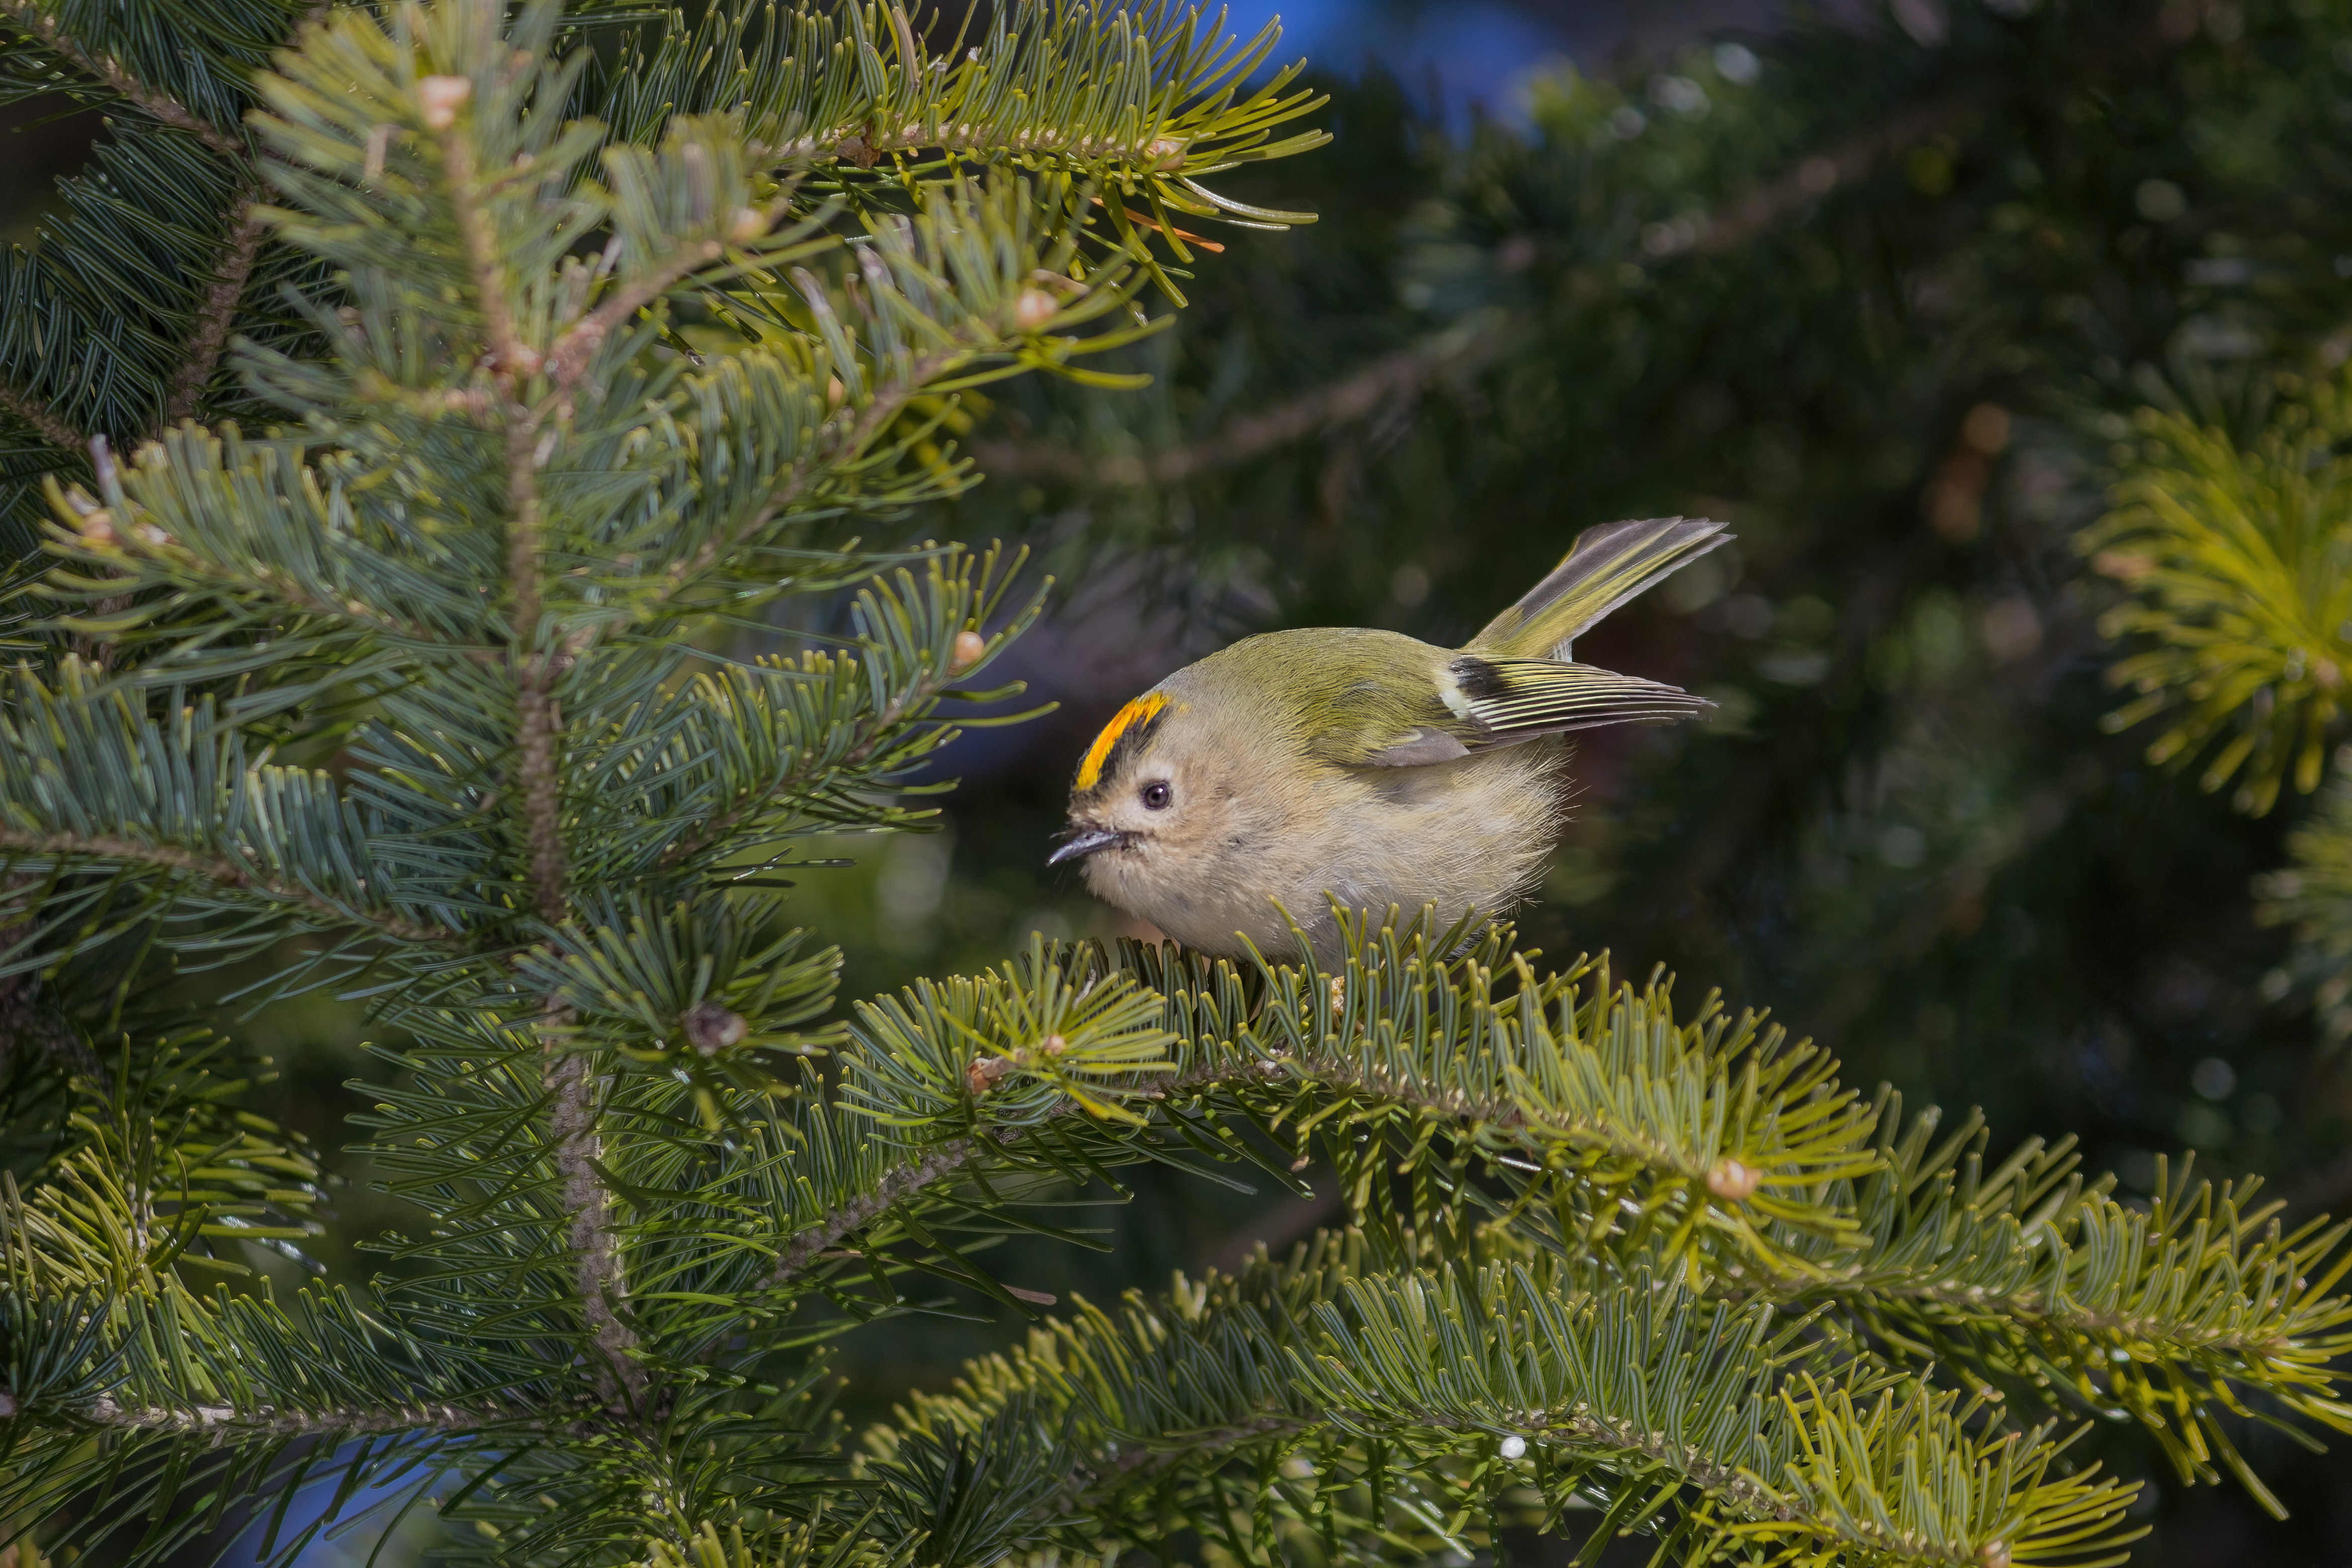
(1141, 710)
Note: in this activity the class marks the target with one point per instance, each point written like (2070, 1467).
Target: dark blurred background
(1884, 285)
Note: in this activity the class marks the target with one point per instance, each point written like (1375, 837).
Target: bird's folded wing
(1490, 702)
(1507, 699)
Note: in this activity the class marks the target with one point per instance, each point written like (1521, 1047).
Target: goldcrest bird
(1248, 791)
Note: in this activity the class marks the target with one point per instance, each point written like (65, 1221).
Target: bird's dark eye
(1156, 795)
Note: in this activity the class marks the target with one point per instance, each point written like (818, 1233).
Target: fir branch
(902, 1182)
(221, 873)
(159, 106)
(1765, 208)
(1194, 1445)
(723, 544)
(888, 402)
(570, 358)
(574, 1086)
(33, 412)
(794, 784)
(1393, 375)
(865, 145)
(1405, 371)
(571, 1080)
(228, 1422)
(511, 357)
(217, 311)
(578, 1140)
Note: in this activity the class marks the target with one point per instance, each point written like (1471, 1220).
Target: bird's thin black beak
(1085, 841)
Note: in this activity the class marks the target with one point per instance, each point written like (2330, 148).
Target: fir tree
(402, 694)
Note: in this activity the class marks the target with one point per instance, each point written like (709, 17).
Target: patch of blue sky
(1449, 56)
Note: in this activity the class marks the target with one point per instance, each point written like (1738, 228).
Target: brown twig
(886, 404)
(29, 409)
(160, 106)
(217, 311)
(1767, 207)
(574, 1115)
(1248, 435)
(1408, 370)
(512, 357)
(568, 360)
(899, 1182)
(574, 1130)
(865, 144)
(226, 1420)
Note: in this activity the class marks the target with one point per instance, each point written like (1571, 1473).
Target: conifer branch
(574, 1086)
(796, 781)
(1396, 374)
(902, 1182)
(1404, 372)
(511, 357)
(217, 311)
(159, 106)
(222, 873)
(569, 357)
(229, 1422)
(573, 1120)
(865, 145)
(723, 544)
(33, 412)
(888, 401)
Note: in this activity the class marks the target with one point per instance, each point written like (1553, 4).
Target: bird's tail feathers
(1605, 567)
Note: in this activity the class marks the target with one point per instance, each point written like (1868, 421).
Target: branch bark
(864, 144)
(1352, 397)
(512, 357)
(568, 360)
(575, 1126)
(216, 311)
(1408, 370)
(160, 106)
(575, 1089)
(34, 412)
(227, 1420)
(900, 1183)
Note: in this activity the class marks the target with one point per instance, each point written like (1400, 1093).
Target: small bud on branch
(438, 99)
(713, 1029)
(1734, 1182)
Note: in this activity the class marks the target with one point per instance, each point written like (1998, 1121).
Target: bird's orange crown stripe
(1134, 713)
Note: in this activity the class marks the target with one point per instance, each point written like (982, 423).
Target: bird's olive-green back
(1334, 693)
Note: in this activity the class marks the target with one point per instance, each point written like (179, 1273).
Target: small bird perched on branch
(1299, 766)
